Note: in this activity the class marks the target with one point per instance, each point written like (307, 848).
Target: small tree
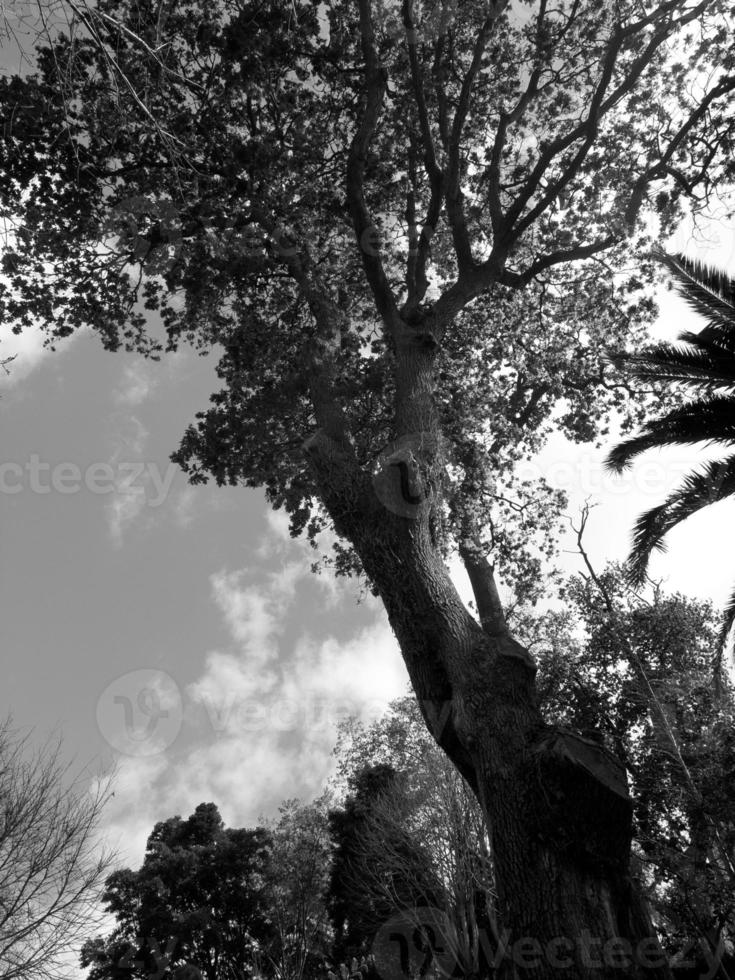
(410, 836)
(632, 670)
(198, 901)
(296, 888)
(50, 864)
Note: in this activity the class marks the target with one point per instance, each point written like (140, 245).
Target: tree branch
(418, 282)
(599, 106)
(453, 191)
(356, 163)
(484, 589)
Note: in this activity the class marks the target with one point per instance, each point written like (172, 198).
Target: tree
(705, 368)
(373, 210)
(197, 901)
(409, 837)
(633, 670)
(51, 865)
(296, 891)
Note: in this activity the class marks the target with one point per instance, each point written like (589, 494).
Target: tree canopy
(52, 866)
(198, 899)
(634, 669)
(289, 183)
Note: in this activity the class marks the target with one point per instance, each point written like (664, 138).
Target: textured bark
(557, 805)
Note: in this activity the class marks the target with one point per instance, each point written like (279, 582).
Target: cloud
(184, 505)
(28, 353)
(129, 496)
(136, 384)
(260, 719)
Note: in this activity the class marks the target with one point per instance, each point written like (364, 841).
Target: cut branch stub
(403, 477)
(588, 809)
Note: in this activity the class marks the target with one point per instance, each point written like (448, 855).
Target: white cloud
(131, 478)
(122, 511)
(27, 352)
(260, 720)
(184, 504)
(710, 238)
(136, 384)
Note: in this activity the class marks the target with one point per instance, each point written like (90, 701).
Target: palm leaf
(709, 419)
(706, 340)
(728, 619)
(707, 291)
(692, 365)
(714, 482)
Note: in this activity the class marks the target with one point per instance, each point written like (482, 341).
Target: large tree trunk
(557, 805)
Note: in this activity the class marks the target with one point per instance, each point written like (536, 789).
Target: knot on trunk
(581, 803)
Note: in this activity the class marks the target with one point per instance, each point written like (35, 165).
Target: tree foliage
(404, 228)
(296, 891)
(633, 669)
(409, 836)
(198, 900)
(217, 165)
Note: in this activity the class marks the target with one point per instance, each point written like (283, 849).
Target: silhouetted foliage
(634, 670)
(198, 900)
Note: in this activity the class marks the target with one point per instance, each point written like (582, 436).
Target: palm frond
(715, 481)
(648, 534)
(728, 619)
(709, 292)
(706, 341)
(710, 420)
(692, 365)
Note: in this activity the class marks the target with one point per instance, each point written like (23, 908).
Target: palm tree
(703, 364)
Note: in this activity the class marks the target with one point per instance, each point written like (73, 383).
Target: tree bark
(557, 805)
